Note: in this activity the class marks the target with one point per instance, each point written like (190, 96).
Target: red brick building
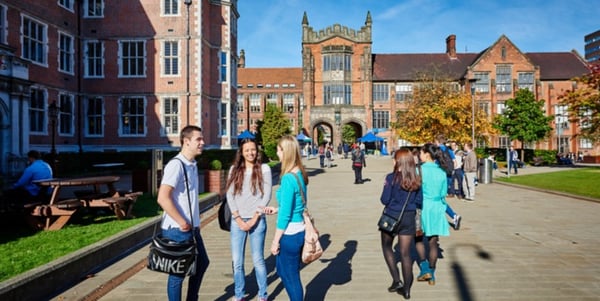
(344, 83)
(124, 75)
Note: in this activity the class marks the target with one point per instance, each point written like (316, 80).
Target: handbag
(389, 223)
(312, 249)
(172, 257)
(224, 216)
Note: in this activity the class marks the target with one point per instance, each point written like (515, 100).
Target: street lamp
(472, 86)
(559, 132)
(53, 113)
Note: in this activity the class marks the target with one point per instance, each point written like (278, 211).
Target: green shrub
(215, 165)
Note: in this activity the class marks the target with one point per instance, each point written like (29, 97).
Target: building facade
(122, 75)
(344, 83)
(592, 47)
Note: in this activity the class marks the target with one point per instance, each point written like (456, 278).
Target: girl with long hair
(248, 192)
(433, 218)
(289, 235)
(402, 185)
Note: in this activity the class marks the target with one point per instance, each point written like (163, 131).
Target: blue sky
(270, 31)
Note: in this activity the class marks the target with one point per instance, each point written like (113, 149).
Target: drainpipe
(78, 75)
(187, 60)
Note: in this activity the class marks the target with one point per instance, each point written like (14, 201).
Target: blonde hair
(291, 156)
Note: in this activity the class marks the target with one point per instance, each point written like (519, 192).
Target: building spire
(368, 22)
(305, 19)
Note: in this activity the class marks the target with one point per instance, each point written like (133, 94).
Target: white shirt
(174, 177)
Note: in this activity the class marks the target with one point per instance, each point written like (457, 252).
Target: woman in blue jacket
(401, 186)
(433, 218)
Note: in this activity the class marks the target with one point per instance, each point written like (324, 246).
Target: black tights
(433, 249)
(405, 241)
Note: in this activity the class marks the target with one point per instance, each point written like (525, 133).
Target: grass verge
(578, 181)
(24, 249)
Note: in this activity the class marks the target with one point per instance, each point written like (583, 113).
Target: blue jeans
(288, 265)
(174, 283)
(457, 177)
(257, 246)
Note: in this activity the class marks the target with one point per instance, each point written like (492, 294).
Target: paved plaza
(514, 244)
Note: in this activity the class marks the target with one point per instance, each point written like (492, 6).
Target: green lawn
(23, 249)
(578, 181)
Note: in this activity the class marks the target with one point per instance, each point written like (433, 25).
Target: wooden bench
(122, 204)
(52, 217)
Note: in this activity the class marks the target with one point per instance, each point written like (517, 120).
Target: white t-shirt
(174, 177)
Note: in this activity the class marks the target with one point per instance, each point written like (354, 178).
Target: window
(503, 79)
(272, 98)
(171, 115)
(93, 8)
(562, 117)
(381, 92)
(403, 92)
(34, 36)
(482, 85)
(381, 119)
(503, 142)
(240, 102)
(254, 103)
(132, 117)
(337, 62)
(171, 58)
(37, 111)
(94, 119)
(68, 4)
(3, 24)
(526, 80)
(223, 67)
(585, 143)
(224, 119)
(170, 7)
(337, 94)
(288, 102)
(585, 116)
(484, 106)
(132, 56)
(500, 107)
(94, 59)
(66, 115)
(66, 51)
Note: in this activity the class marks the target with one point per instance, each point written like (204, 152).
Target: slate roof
(558, 65)
(403, 67)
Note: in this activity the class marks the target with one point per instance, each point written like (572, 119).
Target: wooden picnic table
(57, 212)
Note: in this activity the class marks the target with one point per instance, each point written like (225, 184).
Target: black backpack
(448, 165)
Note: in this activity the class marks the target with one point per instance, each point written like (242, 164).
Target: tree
(439, 107)
(524, 119)
(348, 134)
(273, 127)
(583, 103)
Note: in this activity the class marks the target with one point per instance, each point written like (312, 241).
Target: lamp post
(558, 132)
(472, 86)
(53, 114)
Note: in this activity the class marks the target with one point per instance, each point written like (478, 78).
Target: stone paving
(514, 244)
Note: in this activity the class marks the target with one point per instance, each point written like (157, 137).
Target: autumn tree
(273, 126)
(524, 118)
(583, 104)
(439, 106)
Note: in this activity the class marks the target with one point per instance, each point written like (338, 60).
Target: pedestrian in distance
(173, 199)
(433, 220)
(289, 235)
(248, 192)
(358, 162)
(402, 188)
(470, 168)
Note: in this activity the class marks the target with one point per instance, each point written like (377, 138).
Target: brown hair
(405, 170)
(238, 168)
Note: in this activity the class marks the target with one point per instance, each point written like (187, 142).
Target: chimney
(451, 46)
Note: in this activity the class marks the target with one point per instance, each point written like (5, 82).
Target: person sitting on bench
(25, 191)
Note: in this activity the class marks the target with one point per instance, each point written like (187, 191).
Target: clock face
(337, 75)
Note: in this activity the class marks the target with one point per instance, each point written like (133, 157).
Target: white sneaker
(457, 219)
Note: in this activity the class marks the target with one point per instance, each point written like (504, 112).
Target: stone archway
(323, 130)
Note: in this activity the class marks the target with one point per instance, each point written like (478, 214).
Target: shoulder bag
(311, 250)
(224, 216)
(389, 223)
(171, 257)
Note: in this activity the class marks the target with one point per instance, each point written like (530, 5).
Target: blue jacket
(393, 197)
(38, 170)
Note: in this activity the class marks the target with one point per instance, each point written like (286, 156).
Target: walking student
(401, 186)
(358, 162)
(433, 219)
(289, 235)
(470, 169)
(248, 192)
(173, 198)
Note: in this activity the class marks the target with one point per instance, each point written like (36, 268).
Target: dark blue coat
(393, 197)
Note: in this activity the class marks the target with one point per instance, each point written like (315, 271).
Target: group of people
(248, 195)
(415, 192)
(417, 179)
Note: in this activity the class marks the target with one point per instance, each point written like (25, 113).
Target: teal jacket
(435, 188)
(290, 200)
